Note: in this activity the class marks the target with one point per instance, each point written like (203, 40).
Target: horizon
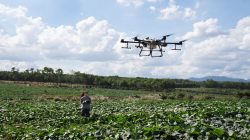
(83, 36)
(197, 79)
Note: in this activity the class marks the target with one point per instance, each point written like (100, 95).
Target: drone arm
(127, 42)
(173, 43)
(137, 41)
(130, 41)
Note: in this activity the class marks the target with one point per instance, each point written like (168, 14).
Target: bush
(166, 96)
(180, 95)
(209, 97)
(136, 96)
(243, 95)
(163, 96)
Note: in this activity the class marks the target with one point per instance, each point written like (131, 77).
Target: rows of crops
(126, 120)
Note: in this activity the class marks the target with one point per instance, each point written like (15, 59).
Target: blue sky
(134, 19)
(66, 34)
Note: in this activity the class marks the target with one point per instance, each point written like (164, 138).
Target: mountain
(219, 79)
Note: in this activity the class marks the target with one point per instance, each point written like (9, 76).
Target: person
(85, 104)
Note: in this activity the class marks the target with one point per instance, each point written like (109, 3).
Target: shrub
(243, 95)
(163, 96)
(171, 97)
(136, 96)
(209, 97)
(180, 96)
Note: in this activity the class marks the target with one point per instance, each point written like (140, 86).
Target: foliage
(10, 91)
(126, 120)
(57, 76)
(245, 94)
(52, 112)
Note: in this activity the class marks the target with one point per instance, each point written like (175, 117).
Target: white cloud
(135, 3)
(19, 34)
(169, 12)
(33, 40)
(88, 40)
(18, 12)
(152, 8)
(173, 11)
(8, 64)
(153, 1)
(221, 54)
(189, 13)
(204, 29)
(93, 46)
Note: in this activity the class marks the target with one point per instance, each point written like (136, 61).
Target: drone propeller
(182, 41)
(168, 35)
(165, 36)
(135, 38)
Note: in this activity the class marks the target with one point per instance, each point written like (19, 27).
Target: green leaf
(218, 132)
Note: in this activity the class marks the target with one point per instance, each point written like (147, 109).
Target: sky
(85, 36)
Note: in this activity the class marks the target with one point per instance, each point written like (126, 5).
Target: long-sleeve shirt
(85, 102)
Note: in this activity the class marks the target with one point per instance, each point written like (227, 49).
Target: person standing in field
(85, 104)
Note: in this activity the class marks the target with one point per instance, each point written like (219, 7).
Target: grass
(12, 91)
(9, 91)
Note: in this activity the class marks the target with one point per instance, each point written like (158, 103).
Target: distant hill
(219, 79)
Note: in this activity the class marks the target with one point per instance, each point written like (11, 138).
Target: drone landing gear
(176, 48)
(127, 47)
(151, 52)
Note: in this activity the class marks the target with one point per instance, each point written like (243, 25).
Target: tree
(26, 75)
(14, 73)
(59, 74)
(211, 84)
(48, 74)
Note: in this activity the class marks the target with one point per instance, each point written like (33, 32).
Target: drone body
(154, 47)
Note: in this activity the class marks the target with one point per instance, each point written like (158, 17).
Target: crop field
(25, 115)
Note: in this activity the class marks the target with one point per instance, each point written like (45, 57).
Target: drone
(154, 47)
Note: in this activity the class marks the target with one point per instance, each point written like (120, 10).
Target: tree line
(48, 74)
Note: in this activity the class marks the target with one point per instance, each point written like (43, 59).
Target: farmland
(42, 112)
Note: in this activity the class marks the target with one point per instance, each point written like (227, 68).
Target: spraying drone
(152, 47)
